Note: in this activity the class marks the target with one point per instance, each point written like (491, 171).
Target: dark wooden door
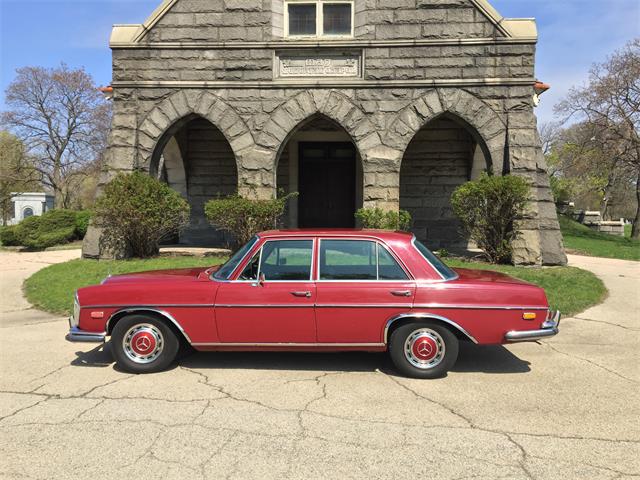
(327, 182)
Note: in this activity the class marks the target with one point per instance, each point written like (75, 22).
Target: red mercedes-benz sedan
(320, 290)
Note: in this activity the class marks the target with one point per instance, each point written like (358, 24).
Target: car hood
(176, 275)
(467, 274)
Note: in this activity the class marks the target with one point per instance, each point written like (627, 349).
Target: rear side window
(445, 272)
(351, 260)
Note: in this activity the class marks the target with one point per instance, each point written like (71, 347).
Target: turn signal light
(529, 316)
(97, 314)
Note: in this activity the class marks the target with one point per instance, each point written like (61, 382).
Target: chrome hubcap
(424, 348)
(143, 343)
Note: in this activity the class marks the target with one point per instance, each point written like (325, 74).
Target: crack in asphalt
(602, 367)
(608, 323)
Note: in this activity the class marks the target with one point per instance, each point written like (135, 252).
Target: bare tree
(610, 102)
(17, 175)
(62, 119)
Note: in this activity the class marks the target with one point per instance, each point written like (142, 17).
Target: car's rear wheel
(423, 349)
(143, 344)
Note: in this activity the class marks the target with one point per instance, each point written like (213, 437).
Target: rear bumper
(550, 328)
(76, 335)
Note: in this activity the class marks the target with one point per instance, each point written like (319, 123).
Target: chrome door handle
(401, 293)
(301, 294)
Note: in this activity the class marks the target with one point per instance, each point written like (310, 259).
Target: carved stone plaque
(319, 65)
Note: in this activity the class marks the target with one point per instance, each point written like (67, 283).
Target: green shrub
(376, 218)
(83, 217)
(242, 217)
(39, 232)
(137, 211)
(487, 208)
(8, 236)
(50, 238)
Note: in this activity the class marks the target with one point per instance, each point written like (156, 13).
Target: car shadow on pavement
(472, 358)
(99, 357)
(489, 359)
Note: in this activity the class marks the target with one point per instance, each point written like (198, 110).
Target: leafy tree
(17, 175)
(610, 105)
(243, 217)
(62, 120)
(488, 208)
(136, 212)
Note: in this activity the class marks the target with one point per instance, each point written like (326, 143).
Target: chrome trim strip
(475, 307)
(166, 315)
(424, 316)
(155, 305)
(306, 305)
(280, 345)
(442, 306)
(76, 335)
(549, 328)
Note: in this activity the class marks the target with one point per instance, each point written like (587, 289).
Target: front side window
(314, 18)
(352, 260)
(283, 260)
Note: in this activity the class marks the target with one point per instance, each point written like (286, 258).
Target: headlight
(75, 319)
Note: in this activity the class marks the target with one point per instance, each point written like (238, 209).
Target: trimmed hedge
(378, 219)
(8, 236)
(55, 227)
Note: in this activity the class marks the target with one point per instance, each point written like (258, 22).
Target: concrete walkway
(564, 409)
(15, 268)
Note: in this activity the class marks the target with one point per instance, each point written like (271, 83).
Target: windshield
(435, 262)
(227, 269)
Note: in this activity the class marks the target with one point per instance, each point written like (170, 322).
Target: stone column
(121, 156)
(540, 240)
(381, 178)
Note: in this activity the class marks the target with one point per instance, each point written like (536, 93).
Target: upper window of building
(318, 18)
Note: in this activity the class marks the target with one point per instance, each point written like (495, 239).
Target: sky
(573, 35)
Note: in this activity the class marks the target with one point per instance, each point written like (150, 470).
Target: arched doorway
(443, 155)
(195, 159)
(320, 161)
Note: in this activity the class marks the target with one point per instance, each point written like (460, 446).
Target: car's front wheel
(423, 349)
(143, 344)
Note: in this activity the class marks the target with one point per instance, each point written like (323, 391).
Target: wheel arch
(154, 312)
(399, 320)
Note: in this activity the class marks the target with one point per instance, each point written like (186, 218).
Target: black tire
(133, 334)
(423, 349)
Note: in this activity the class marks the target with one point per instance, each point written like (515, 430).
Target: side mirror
(261, 279)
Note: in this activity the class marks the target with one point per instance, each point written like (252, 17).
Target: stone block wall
(438, 160)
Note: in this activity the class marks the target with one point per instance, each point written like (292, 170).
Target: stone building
(351, 103)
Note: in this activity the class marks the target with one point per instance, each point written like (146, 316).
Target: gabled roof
(517, 28)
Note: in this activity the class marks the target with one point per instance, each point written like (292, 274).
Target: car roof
(385, 235)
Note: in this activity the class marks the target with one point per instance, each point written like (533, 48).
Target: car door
(361, 285)
(273, 298)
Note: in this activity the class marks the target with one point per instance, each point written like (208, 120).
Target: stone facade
(430, 92)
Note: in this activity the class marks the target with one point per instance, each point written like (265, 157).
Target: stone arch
(331, 104)
(181, 105)
(481, 120)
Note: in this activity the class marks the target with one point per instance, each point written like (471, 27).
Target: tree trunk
(635, 231)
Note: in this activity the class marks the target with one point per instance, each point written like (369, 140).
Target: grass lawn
(52, 288)
(569, 289)
(584, 241)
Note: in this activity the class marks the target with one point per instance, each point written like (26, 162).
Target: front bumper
(550, 328)
(76, 335)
